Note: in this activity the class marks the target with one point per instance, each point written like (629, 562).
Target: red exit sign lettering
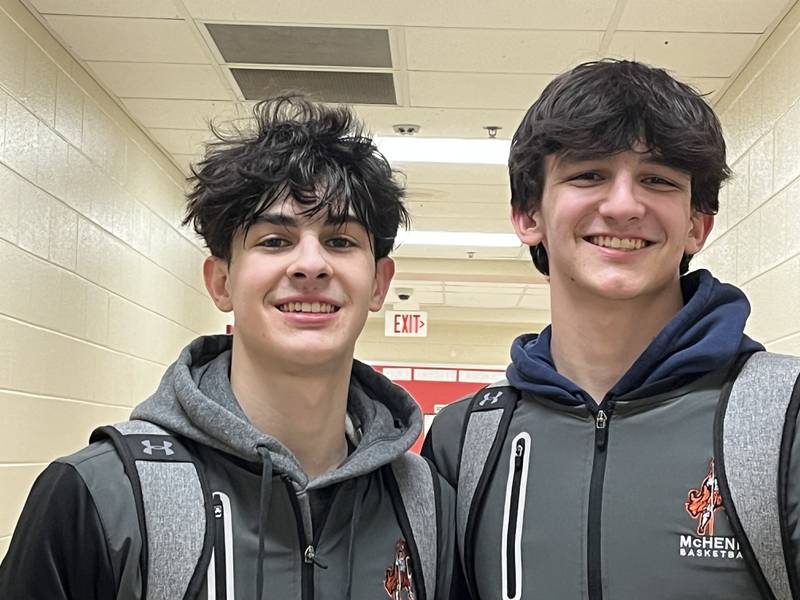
(406, 323)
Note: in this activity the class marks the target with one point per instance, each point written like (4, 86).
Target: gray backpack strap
(172, 502)
(750, 447)
(485, 431)
(418, 487)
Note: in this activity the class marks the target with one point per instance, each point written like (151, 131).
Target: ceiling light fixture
(444, 150)
(468, 239)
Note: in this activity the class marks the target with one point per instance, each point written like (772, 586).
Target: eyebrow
(647, 159)
(282, 220)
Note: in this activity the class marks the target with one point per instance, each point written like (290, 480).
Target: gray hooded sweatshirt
(340, 535)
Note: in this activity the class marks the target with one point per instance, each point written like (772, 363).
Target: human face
(615, 227)
(300, 289)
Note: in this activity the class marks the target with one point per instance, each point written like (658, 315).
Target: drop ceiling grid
(499, 51)
(437, 197)
(109, 8)
(153, 80)
(735, 16)
(129, 40)
(440, 122)
(475, 90)
(561, 14)
(188, 115)
(722, 53)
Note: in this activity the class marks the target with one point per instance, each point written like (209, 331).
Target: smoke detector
(406, 129)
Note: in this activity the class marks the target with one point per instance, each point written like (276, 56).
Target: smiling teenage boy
(300, 452)
(595, 470)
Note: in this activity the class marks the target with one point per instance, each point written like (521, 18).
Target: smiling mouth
(616, 243)
(307, 307)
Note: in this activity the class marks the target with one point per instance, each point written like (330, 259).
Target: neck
(304, 411)
(595, 342)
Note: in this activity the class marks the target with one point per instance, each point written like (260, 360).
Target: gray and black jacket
(616, 500)
(330, 538)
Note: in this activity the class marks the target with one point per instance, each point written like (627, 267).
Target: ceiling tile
(475, 90)
(441, 122)
(108, 8)
(130, 40)
(739, 16)
(182, 114)
(687, 54)
(488, 51)
(154, 80)
(499, 299)
(515, 14)
(490, 223)
(427, 173)
(179, 141)
(406, 251)
(469, 195)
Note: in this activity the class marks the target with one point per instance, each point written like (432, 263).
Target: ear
(528, 226)
(701, 225)
(384, 271)
(216, 276)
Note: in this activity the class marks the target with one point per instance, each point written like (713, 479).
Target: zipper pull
(519, 455)
(310, 557)
(601, 428)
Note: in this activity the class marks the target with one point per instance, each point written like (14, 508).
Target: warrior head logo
(399, 583)
(704, 501)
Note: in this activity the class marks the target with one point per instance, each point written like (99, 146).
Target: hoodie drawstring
(264, 499)
(358, 501)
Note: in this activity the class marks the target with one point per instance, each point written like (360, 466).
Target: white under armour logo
(166, 448)
(487, 397)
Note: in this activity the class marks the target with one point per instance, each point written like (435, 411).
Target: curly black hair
(604, 107)
(294, 148)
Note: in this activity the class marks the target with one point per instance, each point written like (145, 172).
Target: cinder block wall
(756, 244)
(99, 286)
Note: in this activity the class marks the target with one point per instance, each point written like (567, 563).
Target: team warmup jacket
(616, 500)
(334, 537)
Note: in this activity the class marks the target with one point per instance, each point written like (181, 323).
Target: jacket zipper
(220, 581)
(308, 551)
(595, 575)
(513, 515)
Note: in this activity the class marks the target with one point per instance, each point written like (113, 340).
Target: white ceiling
(459, 65)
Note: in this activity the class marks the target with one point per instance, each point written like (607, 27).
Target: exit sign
(406, 323)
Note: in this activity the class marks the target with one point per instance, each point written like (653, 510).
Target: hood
(195, 400)
(705, 335)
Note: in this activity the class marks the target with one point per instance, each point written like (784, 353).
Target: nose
(621, 202)
(310, 262)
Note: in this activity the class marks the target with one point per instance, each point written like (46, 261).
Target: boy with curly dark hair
(296, 452)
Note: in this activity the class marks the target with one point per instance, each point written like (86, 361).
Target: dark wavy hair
(294, 147)
(605, 107)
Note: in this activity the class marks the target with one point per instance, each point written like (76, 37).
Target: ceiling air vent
(312, 46)
(338, 50)
(325, 86)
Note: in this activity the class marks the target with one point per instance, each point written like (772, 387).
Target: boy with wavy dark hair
(596, 470)
(293, 454)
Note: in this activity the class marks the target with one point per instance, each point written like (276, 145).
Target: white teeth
(617, 243)
(307, 307)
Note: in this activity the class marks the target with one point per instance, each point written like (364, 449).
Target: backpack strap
(485, 430)
(418, 488)
(173, 506)
(752, 450)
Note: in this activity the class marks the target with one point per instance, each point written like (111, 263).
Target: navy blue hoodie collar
(706, 334)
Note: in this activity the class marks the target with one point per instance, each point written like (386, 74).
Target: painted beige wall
(756, 242)
(100, 287)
